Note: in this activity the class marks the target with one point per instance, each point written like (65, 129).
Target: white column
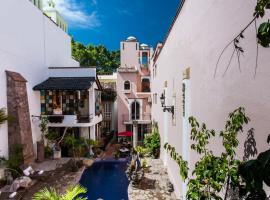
(135, 135)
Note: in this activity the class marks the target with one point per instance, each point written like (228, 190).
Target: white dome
(131, 38)
(144, 45)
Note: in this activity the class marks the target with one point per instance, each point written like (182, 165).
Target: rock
(87, 162)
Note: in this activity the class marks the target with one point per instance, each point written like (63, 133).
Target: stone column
(19, 127)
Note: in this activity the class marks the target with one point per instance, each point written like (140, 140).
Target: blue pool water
(106, 180)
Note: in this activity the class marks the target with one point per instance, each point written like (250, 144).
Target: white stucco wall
(201, 31)
(30, 43)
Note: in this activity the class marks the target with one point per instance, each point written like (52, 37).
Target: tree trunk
(40, 151)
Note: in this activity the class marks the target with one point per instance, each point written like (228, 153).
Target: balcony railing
(107, 115)
(129, 118)
(69, 119)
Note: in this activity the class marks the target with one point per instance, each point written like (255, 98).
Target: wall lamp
(170, 109)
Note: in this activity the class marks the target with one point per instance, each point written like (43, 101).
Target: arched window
(127, 85)
(135, 110)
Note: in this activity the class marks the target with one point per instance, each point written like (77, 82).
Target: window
(144, 59)
(136, 46)
(123, 46)
(135, 110)
(107, 110)
(146, 85)
(127, 85)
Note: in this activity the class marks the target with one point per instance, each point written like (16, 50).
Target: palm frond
(47, 194)
(73, 193)
(3, 116)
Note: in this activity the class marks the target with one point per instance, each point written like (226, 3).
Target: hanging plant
(264, 34)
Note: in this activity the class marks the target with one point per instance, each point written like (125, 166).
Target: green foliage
(142, 151)
(15, 160)
(48, 152)
(264, 28)
(75, 144)
(106, 61)
(264, 34)
(43, 125)
(144, 163)
(183, 165)
(212, 173)
(255, 173)
(92, 143)
(152, 141)
(3, 116)
(116, 155)
(72, 193)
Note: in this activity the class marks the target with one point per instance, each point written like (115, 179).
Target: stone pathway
(159, 192)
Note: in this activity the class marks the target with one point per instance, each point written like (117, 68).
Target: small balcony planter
(57, 154)
(83, 119)
(56, 118)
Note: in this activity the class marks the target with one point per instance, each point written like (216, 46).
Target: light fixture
(170, 109)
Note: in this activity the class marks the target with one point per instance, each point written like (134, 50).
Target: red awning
(125, 134)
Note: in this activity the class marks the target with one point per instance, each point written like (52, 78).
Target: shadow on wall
(250, 149)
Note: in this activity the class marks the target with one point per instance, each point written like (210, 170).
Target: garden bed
(60, 178)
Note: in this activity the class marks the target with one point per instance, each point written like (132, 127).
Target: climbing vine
(212, 173)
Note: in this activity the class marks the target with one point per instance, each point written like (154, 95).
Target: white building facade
(183, 70)
(30, 44)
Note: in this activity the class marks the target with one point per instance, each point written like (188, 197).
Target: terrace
(66, 101)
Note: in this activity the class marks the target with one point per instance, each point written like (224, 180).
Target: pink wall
(123, 98)
(129, 54)
(201, 31)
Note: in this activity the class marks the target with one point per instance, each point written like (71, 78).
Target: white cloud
(76, 15)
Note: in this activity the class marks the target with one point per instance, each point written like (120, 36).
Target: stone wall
(19, 127)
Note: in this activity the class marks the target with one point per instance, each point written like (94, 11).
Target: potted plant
(53, 138)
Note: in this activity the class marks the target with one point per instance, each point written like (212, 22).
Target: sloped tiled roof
(66, 83)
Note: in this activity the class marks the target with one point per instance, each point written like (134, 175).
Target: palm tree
(3, 116)
(51, 194)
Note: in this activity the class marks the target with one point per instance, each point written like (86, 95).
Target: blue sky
(107, 22)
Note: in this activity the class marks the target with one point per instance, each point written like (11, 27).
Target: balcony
(70, 120)
(142, 119)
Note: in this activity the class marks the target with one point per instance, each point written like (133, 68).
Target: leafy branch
(212, 173)
(262, 34)
(3, 116)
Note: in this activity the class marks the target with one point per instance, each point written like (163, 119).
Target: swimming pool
(106, 180)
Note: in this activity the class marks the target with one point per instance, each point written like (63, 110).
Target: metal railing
(128, 118)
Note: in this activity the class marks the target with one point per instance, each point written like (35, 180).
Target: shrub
(48, 152)
(152, 142)
(143, 151)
